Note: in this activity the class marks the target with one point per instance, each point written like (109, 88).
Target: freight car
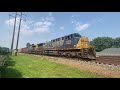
(23, 50)
(73, 45)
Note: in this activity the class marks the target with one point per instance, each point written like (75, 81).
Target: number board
(68, 41)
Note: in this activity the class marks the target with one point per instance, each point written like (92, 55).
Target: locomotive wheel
(69, 55)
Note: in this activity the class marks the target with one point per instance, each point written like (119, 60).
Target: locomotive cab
(87, 51)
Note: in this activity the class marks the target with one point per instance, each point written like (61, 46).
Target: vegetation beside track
(4, 57)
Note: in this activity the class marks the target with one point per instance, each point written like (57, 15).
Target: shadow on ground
(10, 62)
(9, 72)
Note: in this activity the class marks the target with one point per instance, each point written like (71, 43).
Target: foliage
(102, 43)
(28, 44)
(4, 56)
(116, 43)
(4, 51)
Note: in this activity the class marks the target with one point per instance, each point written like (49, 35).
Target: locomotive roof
(68, 35)
(62, 37)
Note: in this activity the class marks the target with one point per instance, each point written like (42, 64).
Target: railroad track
(109, 60)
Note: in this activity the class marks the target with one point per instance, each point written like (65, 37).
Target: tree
(4, 50)
(28, 44)
(116, 43)
(102, 43)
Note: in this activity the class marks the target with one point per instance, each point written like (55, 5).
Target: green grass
(27, 66)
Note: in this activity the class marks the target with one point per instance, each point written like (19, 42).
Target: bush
(102, 43)
(4, 51)
(4, 56)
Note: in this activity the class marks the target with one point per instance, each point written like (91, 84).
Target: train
(72, 45)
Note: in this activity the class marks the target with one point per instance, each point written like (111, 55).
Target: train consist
(73, 45)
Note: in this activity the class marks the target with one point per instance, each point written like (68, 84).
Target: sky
(38, 27)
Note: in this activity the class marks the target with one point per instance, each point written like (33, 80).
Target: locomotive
(73, 45)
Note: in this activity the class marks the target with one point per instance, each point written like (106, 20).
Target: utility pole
(13, 33)
(18, 35)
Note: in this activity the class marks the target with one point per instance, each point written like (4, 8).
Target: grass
(27, 66)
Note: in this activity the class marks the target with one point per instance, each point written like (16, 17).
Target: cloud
(62, 28)
(11, 21)
(50, 18)
(28, 27)
(43, 26)
(50, 13)
(72, 16)
(42, 29)
(80, 26)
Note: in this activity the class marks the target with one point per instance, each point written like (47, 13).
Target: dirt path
(109, 59)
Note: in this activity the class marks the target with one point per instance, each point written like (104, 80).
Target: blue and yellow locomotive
(73, 45)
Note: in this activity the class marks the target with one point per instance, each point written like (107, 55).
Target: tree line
(102, 43)
(4, 50)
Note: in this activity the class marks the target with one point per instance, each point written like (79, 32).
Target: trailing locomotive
(73, 45)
